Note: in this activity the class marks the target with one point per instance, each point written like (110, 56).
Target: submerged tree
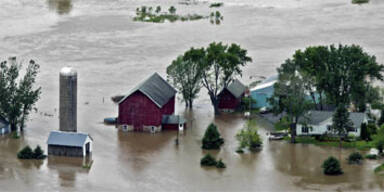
(248, 137)
(331, 166)
(221, 65)
(290, 96)
(185, 74)
(212, 138)
(17, 94)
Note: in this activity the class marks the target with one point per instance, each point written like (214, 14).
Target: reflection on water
(68, 168)
(60, 6)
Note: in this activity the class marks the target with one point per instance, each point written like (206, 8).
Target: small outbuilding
(69, 144)
(230, 97)
(173, 122)
(4, 126)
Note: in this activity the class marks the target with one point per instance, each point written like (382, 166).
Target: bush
(378, 139)
(220, 164)
(208, 160)
(371, 156)
(25, 153)
(331, 166)
(248, 137)
(216, 5)
(355, 158)
(212, 138)
(359, 1)
(38, 153)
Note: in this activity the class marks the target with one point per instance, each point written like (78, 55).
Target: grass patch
(379, 169)
(149, 14)
(360, 1)
(217, 4)
(361, 145)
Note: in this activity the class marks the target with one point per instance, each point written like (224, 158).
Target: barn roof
(156, 89)
(316, 117)
(72, 139)
(236, 88)
(172, 119)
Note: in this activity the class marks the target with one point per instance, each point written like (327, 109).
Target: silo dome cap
(68, 71)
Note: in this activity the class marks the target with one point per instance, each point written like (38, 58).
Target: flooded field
(112, 54)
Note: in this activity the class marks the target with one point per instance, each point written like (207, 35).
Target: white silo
(68, 99)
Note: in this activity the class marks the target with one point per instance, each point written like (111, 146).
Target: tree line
(213, 68)
(340, 76)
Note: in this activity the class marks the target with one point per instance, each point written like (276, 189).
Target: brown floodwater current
(112, 54)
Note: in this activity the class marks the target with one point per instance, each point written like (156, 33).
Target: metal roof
(316, 117)
(236, 88)
(269, 82)
(173, 119)
(72, 139)
(156, 89)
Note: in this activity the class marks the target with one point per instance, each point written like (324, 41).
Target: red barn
(144, 107)
(230, 97)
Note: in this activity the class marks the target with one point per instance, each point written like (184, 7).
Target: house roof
(156, 89)
(72, 139)
(270, 81)
(236, 88)
(317, 117)
(173, 119)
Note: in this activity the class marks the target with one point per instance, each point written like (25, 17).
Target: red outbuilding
(230, 97)
(146, 106)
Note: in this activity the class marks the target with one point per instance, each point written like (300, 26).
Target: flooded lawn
(112, 54)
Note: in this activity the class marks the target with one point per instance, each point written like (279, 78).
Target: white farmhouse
(320, 122)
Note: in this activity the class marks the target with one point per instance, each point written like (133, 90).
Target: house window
(304, 129)
(329, 128)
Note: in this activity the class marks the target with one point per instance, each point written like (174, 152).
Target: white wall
(322, 128)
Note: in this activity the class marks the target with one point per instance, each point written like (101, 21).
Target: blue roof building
(263, 91)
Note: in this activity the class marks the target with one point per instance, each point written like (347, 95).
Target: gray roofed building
(173, 119)
(155, 88)
(317, 117)
(72, 139)
(236, 88)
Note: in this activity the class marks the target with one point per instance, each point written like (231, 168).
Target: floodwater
(112, 54)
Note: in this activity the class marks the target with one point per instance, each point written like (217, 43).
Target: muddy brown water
(112, 54)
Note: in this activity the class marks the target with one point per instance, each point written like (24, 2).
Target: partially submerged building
(230, 97)
(150, 106)
(71, 144)
(67, 141)
(263, 91)
(320, 122)
(4, 126)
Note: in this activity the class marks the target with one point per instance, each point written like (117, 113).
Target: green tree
(378, 139)
(158, 9)
(185, 74)
(343, 74)
(290, 95)
(381, 120)
(221, 65)
(212, 138)
(172, 10)
(341, 123)
(38, 153)
(25, 153)
(331, 166)
(248, 137)
(17, 94)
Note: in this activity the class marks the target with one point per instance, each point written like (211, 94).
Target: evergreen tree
(341, 122)
(212, 138)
